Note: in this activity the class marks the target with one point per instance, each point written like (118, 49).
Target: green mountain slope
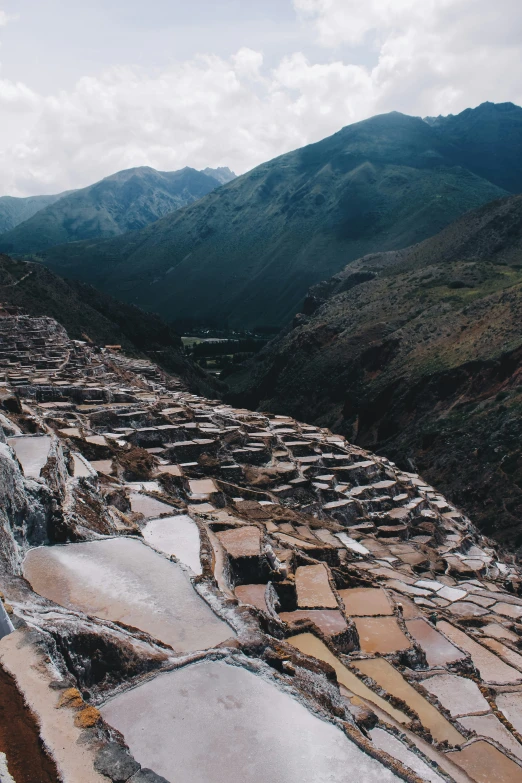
(125, 201)
(87, 313)
(417, 354)
(14, 211)
(489, 142)
(246, 254)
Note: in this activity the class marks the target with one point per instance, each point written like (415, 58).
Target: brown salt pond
(32, 452)
(242, 541)
(439, 651)
(178, 536)
(394, 683)
(309, 644)
(366, 601)
(492, 669)
(381, 635)
(484, 763)
(125, 581)
(329, 621)
(313, 588)
(211, 722)
(254, 595)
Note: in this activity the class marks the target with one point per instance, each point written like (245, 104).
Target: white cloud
(429, 57)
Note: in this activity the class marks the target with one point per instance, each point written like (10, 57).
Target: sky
(87, 89)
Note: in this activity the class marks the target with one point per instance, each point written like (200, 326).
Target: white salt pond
(149, 507)
(32, 452)
(211, 722)
(125, 581)
(178, 536)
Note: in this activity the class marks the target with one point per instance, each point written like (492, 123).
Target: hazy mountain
(125, 201)
(88, 314)
(15, 210)
(417, 354)
(223, 174)
(247, 253)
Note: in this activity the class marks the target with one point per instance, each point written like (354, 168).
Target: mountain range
(417, 354)
(245, 254)
(125, 201)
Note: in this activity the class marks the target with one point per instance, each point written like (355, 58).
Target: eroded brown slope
(417, 354)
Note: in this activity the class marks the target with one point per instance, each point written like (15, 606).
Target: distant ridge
(245, 254)
(14, 211)
(125, 201)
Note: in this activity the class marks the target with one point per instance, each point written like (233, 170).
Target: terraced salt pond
(178, 536)
(32, 452)
(211, 722)
(123, 580)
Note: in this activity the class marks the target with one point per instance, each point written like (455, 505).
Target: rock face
(417, 355)
(364, 622)
(245, 255)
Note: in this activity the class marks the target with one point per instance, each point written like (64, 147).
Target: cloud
(429, 57)
(432, 56)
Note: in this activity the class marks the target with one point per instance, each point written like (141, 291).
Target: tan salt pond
(398, 750)
(313, 588)
(366, 601)
(329, 621)
(492, 669)
(439, 651)
(380, 635)
(394, 683)
(497, 631)
(511, 657)
(484, 764)
(216, 723)
(82, 468)
(490, 726)
(510, 705)
(103, 466)
(125, 581)
(459, 695)
(32, 452)
(149, 507)
(178, 536)
(202, 487)
(507, 610)
(309, 644)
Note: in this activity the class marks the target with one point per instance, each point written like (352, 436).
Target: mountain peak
(223, 174)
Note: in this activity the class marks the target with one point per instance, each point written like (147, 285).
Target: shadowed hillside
(417, 354)
(90, 315)
(246, 254)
